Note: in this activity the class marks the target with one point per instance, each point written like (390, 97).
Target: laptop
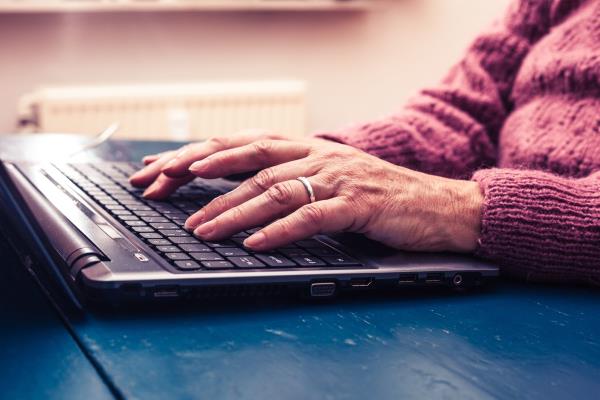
(108, 244)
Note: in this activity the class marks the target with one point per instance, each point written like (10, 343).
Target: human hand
(354, 192)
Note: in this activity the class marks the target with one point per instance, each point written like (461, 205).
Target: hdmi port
(361, 282)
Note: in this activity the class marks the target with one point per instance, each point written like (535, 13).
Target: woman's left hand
(354, 192)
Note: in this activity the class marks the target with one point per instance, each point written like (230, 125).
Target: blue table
(510, 341)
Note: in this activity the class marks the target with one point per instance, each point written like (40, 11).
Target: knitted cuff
(540, 226)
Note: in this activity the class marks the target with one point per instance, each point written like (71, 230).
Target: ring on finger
(308, 187)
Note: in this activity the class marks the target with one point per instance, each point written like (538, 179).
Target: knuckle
(281, 193)
(219, 203)
(217, 142)
(262, 148)
(312, 214)
(236, 214)
(273, 136)
(264, 179)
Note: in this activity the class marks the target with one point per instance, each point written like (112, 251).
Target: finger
(149, 159)
(181, 164)
(250, 188)
(281, 199)
(325, 216)
(164, 186)
(251, 157)
(150, 172)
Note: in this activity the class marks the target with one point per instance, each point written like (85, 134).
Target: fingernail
(149, 191)
(205, 229)
(199, 165)
(134, 176)
(198, 217)
(255, 240)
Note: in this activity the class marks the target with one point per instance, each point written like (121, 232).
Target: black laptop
(109, 244)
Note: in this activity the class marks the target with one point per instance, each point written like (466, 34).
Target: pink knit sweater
(520, 114)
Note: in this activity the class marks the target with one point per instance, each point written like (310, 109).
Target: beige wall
(357, 66)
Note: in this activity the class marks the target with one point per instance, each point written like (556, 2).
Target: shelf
(60, 6)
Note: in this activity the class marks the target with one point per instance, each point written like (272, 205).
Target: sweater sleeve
(451, 130)
(540, 226)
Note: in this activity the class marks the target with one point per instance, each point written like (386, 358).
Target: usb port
(322, 289)
(434, 277)
(407, 278)
(361, 282)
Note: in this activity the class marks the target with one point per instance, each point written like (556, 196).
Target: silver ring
(308, 187)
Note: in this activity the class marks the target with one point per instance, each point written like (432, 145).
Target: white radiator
(167, 111)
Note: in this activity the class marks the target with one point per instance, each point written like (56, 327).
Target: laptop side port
(322, 289)
(165, 292)
(457, 280)
(361, 282)
(434, 277)
(406, 279)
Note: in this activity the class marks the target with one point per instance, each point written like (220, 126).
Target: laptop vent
(167, 111)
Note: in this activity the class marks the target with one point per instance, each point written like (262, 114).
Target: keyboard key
(163, 225)
(341, 260)
(129, 217)
(231, 251)
(160, 242)
(179, 222)
(308, 261)
(177, 256)
(295, 252)
(133, 222)
(174, 232)
(163, 207)
(137, 207)
(275, 260)
(129, 201)
(151, 220)
(150, 235)
(142, 229)
(184, 240)
(146, 213)
(217, 264)
(323, 251)
(121, 212)
(309, 243)
(115, 208)
(246, 262)
(206, 256)
(187, 265)
(195, 248)
(222, 243)
(241, 234)
(168, 249)
(238, 241)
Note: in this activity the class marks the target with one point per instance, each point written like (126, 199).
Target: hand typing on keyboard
(345, 189)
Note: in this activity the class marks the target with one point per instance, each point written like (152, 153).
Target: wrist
(465, 223)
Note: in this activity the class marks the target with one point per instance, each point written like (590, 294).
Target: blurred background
(189, 69)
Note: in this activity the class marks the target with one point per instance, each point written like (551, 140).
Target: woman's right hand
(165, 172)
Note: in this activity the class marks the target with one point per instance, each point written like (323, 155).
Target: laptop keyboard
(160, 224)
